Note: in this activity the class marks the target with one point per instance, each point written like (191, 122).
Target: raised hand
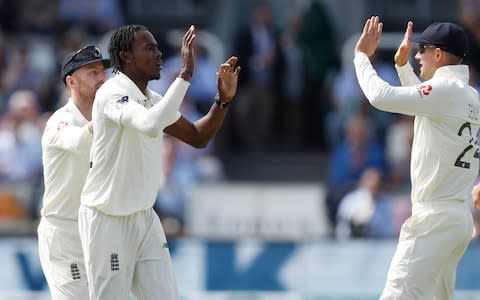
(187, 54)
(227, 79)
(370, 38)
(403, 51)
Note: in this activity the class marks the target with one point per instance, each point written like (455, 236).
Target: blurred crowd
(294, 96)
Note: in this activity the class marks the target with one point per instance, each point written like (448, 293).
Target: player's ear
(70, 81)
(125, 56)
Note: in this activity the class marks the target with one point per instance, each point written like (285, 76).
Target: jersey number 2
(459, 162)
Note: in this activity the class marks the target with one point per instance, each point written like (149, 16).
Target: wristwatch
(221, 104)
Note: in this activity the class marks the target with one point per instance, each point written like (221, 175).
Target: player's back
(445, 161)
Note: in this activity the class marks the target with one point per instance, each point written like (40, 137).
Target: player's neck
(139, 81)
(84, 106)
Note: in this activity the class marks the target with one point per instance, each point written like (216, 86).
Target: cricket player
(66, 146)
(123, 241)
(444, 161)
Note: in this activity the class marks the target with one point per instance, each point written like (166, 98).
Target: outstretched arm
(198, 134)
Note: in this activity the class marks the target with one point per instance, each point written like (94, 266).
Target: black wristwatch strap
(221, 104)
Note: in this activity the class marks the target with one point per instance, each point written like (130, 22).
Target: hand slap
(370, 37)
(227, 78)
(187, 53)
(403, 51)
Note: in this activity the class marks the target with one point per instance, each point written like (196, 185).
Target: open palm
(227, 79)
(401, 57)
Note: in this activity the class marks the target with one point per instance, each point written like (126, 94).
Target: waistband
(60, 222)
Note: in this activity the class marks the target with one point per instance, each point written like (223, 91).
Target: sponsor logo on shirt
(425, 89)
(123, 100)
(61, 125)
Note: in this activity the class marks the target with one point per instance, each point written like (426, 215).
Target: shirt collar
(132, 87)
(74, 109)
(460, 72)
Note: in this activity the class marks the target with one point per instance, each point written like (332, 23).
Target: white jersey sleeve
(151, 122)
(409, 100)
(406, 75)
(61, 133)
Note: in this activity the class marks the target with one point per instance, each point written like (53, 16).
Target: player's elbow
(199, 143)
(151, 130)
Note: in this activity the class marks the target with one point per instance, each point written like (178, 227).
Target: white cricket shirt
(66, 145)
(444, 161)
(126, 157)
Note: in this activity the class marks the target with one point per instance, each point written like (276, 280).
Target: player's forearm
(406, 75)
(209, 125)
(72, 139)
(152, 121)
(371, 84)
(167, 107)
(404, 100)
(198, 134)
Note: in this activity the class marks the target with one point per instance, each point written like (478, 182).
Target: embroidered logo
(61, 125)
(425, 89)
(123, 100)
(114, 262)
(74, 271)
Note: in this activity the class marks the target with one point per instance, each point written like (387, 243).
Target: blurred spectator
(98, 16)
(349, 160)
(38, 16)
(316, 39)
(258, 50)
(10, 207)
(398, 148)
(184, 166)
(469, 14)
(349, 100)
(19, 74)
(72, 38)
(367, 211)
(9, 14)
(20, 150)
(292, 85)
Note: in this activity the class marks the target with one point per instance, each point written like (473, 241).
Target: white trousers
(61, 258)
(431, 243)
(127, 253)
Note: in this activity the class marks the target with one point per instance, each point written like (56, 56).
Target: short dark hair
(122, 40)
